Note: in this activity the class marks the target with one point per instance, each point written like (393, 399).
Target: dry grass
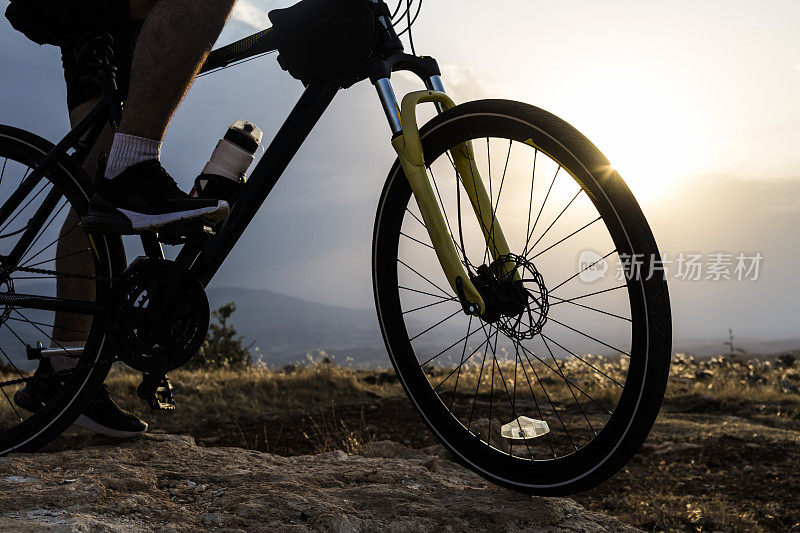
(209, 397)
(722, 456)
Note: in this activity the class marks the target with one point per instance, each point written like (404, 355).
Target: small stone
(212, 519)
(431, 464)
(191, 484)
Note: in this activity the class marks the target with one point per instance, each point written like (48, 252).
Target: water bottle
(225, 172)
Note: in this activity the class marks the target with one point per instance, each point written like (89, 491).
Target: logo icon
(591, 266)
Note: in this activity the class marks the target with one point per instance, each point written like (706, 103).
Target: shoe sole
(87, 423)
(127, 222)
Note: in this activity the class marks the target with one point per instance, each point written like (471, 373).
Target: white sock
(64, 362)
(128, 150)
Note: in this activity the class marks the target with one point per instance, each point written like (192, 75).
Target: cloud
(249, 14)
(464, 84)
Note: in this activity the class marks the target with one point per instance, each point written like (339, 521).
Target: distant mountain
(285, 328)
(707, 347)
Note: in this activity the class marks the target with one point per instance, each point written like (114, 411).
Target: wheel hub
(517, 306)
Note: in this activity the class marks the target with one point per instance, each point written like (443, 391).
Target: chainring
(176, 338)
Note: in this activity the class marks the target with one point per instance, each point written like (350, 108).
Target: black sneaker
(144, 197)
(105, 417)
(102, 416)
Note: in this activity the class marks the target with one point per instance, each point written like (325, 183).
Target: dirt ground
(721, 458)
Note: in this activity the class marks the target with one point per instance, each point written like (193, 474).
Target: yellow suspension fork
(408, 145)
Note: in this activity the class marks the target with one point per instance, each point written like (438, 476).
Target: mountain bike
(495, 236)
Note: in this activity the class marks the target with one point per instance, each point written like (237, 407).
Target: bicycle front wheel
(554, 398)
(53, 282)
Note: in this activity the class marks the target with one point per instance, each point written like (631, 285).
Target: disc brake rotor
(516, 306)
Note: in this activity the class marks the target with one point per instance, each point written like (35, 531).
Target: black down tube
(305, 115)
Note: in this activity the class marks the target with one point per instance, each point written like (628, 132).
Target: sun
(640, 126)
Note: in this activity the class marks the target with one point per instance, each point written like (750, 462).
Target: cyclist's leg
(70, 330)
(139, 195)
(174, 42)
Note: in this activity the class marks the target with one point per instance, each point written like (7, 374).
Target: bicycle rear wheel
(45, 255)
(586, 361)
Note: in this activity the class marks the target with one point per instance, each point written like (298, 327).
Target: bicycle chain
(11, 270)
(55, 374)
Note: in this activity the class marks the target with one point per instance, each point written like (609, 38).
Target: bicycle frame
(204, 259)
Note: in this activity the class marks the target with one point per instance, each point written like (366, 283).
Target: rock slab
(168, 483)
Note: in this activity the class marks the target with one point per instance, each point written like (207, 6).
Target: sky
(695, 103)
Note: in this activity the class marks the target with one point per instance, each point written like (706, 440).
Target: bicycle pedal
(183, 232)
(157, 392)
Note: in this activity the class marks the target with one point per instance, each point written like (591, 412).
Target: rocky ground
(169, 483)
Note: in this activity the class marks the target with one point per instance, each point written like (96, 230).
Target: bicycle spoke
(464, 338)
(530, 202)
(553, 376)
(20, 210)
(591, 308)
(10, 362)
(544, 363)
(569, 386)
(590, 365)
(443, 298)
(508, 395)
(480, 376)
(43, 230)
(54, 241)
(553, 223)
(541, 209)
(70, 254)
(421, 223)
(546, 394)
(423, 277)
(496, 207)
(533, 396)
(579, 272)
(477, 205)
(430, 305)
(444, 211)
(569, 300)
(623, 352)
(442, 321)
(565, 238)
(458, 184)
(461, 363)
(51, 339)
(418, 241)
(13, 407)
(48, 325)
(476, 350)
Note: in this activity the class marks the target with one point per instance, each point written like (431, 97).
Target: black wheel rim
(44, 266)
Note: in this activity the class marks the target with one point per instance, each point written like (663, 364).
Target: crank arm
(408, 145)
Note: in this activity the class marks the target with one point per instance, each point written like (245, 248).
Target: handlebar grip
(258, 43)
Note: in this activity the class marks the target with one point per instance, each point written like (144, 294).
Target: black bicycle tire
(42, 427)
(627, 429)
